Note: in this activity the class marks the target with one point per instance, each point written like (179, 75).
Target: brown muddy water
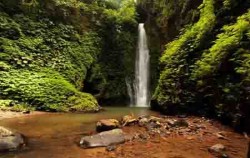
(56, 135)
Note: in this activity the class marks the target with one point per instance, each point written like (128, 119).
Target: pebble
(217, 148)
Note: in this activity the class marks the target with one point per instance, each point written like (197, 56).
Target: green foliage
(49, 48)
(226, 41)
(243, 60)
(174, 58)
(42, 62)
(118, 30)
(61, 48)
(126, 13)
(10, 105)
(42, 90)
(82, 102)
(205, 70)
(8, 27)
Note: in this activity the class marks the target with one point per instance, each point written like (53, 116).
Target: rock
(178, 123)
(129, 137)
(143, 122)
(128, 120)
(182, 116)
(9, 140)
(181, 123)
(103, 139)
(190, 138)
(171, 122)
(220, 135)
(224, 156)
(218, 148)
(153, 125)
(107, 124)
(26, 112)
(200, 127)
(155, 119)
(143, 116)
(144, 136)
(111, 148)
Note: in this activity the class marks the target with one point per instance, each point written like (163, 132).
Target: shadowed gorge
(124, 78)
(202, 68)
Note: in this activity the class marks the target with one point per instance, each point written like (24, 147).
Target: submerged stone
(103, 139)
(9, 140)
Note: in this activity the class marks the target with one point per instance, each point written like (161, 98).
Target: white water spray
(130, 91)
(142, 70)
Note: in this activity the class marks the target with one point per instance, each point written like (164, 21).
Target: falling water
(142, 70)
(130, 91)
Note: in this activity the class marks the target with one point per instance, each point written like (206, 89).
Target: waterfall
(130, 91)
(138, 90)
(142, 70)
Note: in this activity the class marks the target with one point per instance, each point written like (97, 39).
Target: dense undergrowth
(205, 66)
(52, 50)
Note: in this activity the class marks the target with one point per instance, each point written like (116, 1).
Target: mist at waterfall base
(138, 91)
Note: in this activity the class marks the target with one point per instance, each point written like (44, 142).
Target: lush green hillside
(52, 50)
(204, 68)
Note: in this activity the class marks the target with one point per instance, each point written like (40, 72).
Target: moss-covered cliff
(204, 68)
(52, 50)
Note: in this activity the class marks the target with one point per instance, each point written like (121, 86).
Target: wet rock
(141, 136)
(181, 123)
(224, 156)
(177, 123)
(182, 116)
(10, 140)
(152, 125)
(111, 148)
(128, 120)
(200, 127)
(220, 135)
(129, 137)
(218, 148)
(26, 112)
(144, 136)
(155, 119)
(143, 122)
(107, 124)
(103, 139)
(171, 123)
(190, 138)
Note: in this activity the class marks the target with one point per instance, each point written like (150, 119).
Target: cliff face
(204, 68)
(52, 50)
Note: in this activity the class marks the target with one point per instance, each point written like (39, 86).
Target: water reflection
(57, 134)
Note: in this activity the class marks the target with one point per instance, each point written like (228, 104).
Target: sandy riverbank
(11, 114)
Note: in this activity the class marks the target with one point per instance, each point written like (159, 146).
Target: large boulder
(106, 125)
(103, 139)
(10, 140)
